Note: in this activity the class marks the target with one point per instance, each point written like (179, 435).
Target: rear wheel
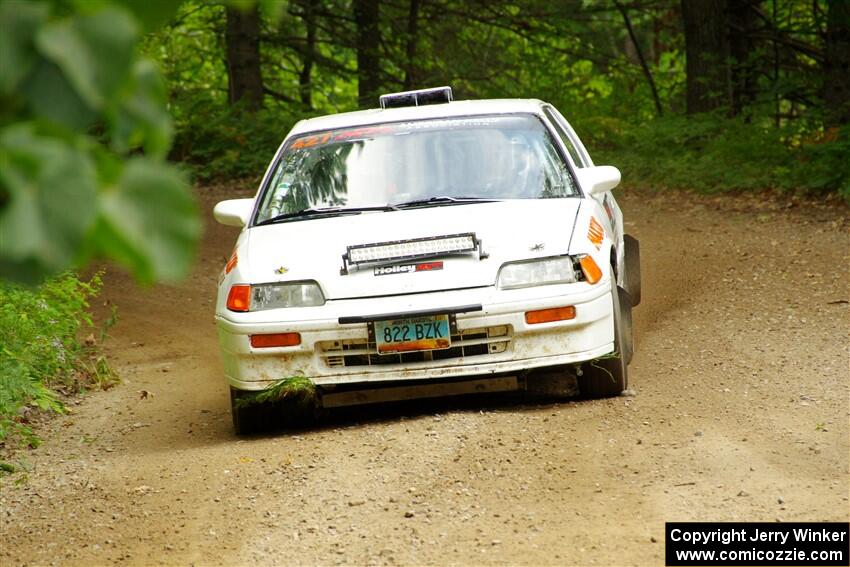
(605, 377)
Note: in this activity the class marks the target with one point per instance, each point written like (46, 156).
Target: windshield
(486, 157)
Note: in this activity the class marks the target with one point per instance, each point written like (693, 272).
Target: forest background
(111, 111)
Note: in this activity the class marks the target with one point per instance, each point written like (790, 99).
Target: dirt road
(740, 413)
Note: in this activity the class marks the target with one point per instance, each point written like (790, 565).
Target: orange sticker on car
(596, 233)
(310, 141)
(231, 263)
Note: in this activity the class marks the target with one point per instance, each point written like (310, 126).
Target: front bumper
(495, 340)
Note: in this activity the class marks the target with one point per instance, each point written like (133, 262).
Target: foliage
(41, 354)
(295, 388)
(83, 136)
(711, 153)
(576, 55)
(218, 142)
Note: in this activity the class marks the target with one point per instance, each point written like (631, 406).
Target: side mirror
(598, 179)
(234, 212)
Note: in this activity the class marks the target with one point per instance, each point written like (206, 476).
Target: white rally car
(428, 247)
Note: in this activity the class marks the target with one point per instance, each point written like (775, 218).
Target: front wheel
(632, 261)
(608, 376)
(249, 417)
(253, 416)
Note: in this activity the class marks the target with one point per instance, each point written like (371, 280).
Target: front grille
(363, 352)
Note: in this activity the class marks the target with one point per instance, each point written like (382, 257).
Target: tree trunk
(777, 97)
(368, 55)
(643, 65)
(707, 52)
(412, 39)
(836, 67)
(742, 23)
(304, 78)
(242, 36)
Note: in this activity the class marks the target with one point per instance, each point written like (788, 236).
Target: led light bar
(421, 97)
(409, 248)
(413, 248)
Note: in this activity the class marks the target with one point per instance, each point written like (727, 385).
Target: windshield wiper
(441, 201)
(323, 212)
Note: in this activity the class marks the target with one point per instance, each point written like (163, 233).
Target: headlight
(537, 272)
(279, 295)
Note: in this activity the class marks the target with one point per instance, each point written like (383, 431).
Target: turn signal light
(239, 298)
(592, 273)
(549, 315)
(275, 340)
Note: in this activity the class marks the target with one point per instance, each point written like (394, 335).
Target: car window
(564, 129)
(498, 157)
(565, 138)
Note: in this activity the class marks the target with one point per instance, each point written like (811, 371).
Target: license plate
(416, 333)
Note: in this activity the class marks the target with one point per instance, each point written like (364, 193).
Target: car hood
(313, 249)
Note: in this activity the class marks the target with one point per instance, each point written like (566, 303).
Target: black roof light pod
(439, 95)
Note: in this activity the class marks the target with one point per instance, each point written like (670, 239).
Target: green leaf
(51, 192)
(53, 98)
(149, 222)
(18, 20)
(95, 51)
(152, 14)
(243, 5)
(274, 9)
(141, 119)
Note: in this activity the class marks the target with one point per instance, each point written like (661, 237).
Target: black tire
(554, 382)
(253, 418)
(259, 417)
(606, 377)
(632, 261)
(628, 329)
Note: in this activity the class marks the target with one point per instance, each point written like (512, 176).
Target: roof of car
(451, 109)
